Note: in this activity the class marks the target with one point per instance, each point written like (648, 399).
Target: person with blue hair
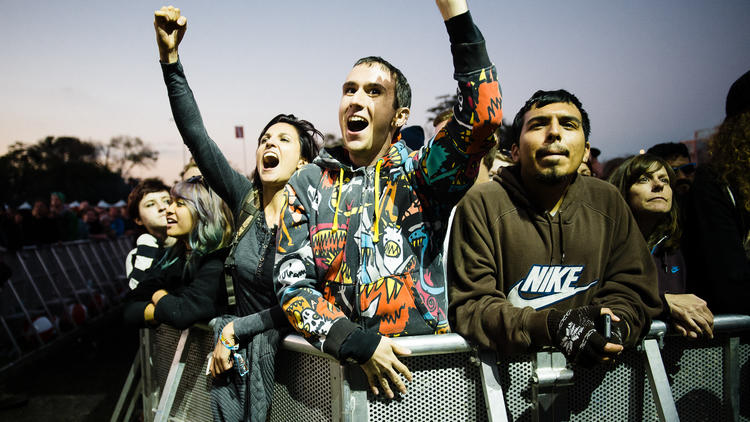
(186, 285)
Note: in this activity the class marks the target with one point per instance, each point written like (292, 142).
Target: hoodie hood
(336, 157)
(510, 179)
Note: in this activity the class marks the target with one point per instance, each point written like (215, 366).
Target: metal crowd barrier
(41, 301)
(666, 378)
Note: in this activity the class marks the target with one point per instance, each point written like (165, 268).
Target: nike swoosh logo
(543, 301)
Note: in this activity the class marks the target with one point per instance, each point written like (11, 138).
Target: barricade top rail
(725, 323)
(419, 345)
(454, 343)
(64, 243)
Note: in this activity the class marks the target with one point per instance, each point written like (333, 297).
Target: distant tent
(25, 206)
(120, 203)
(74, 204)
(103, 204)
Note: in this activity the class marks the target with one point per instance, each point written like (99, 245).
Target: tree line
(82, 170)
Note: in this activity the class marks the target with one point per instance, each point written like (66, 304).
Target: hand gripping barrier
(666, 378)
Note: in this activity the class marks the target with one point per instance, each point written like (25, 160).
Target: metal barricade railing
(47, 286)
(666, 378)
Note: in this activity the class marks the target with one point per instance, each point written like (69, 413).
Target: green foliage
(64, 164)
(123, 153)
(444, 102)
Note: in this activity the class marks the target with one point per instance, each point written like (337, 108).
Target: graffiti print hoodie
(510, 262)
(359, 248)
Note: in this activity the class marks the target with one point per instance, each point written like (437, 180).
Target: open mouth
(171, 221)
(270, 160)
(356, 124)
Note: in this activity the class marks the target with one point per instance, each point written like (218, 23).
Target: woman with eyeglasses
(186, 285)
(248, 340)
(646, 182)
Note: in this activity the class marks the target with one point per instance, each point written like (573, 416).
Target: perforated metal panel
(615, 393)
(744, 353)
(515, 378)
(695, 369)
(165, 343)
(302, 388)
(444, 387)
(192, 402)
(448, 387)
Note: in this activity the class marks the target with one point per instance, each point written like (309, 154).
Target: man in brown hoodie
(540, 255)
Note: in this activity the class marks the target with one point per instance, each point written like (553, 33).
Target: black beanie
(738, 98)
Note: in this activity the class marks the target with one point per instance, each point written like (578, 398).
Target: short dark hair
(669, 150)
(543, 98)
(143, 188)
(308, 146)
(403, 90)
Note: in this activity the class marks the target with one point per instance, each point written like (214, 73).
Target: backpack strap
(250, 210)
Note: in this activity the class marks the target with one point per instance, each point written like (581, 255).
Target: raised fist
(170, 27)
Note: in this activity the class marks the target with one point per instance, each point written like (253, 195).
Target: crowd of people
(54, 221)
(511, 238)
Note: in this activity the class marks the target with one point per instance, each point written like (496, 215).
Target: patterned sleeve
(449, 163)
(295, 279)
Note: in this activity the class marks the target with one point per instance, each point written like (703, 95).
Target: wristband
(239, 361)
(226, 343)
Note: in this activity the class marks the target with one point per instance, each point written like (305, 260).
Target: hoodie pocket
(391, 305)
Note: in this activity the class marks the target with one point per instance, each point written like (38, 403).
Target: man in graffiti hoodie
(359, 243)
(540, 254)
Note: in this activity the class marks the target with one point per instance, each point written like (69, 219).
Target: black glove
(575, 334)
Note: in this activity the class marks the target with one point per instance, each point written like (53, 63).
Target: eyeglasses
(686, 169)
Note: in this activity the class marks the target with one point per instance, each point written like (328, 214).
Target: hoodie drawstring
(338, 201)
(562, 239)
(375, 234)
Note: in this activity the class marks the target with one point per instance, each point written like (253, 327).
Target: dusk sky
(646, 71)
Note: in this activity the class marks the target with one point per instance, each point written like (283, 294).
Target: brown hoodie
(510, 262)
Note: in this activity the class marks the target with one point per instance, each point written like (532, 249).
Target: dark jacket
(510, 262)
(248, 398)
(260, 324)
(193, 296)
(254, 291)
(713, 243)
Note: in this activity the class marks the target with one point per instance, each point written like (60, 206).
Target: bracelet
(226, 343)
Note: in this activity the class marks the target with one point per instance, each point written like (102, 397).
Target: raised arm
(449, 164)
(231, 185)
(451, 8)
